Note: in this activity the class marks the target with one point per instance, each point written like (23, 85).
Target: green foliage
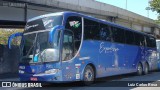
(5, 33)
(155, 6)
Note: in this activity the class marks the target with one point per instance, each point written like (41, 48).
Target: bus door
(72, 38)
(67, 56)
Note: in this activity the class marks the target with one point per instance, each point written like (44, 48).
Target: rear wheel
(88, 76)
(139, 69)
(146, 69)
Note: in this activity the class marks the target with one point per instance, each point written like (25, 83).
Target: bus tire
(139, 69)
(88, 75)
(146, 69)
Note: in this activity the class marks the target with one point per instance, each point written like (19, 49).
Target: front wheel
(88, 76)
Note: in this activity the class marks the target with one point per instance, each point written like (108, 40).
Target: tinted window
(74, 24)
(139, 39)
(151, 42)
(129, 36)
(158, 45)
(68, 46)
(91, 30)
(105, 33)
(118, 35)
(29, 40)
(43, 23)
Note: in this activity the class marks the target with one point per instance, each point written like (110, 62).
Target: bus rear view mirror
(13, 36)
(51, 33)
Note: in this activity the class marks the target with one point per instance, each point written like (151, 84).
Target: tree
(5, 33)
(155, 6)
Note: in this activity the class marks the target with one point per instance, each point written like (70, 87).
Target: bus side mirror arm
(13, 36)
(55, 28)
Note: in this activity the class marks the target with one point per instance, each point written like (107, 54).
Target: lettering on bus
(47, 22)
(31, 26)
(107, 49)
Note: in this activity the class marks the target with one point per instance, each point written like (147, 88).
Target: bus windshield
(43, 23)
(35, 39)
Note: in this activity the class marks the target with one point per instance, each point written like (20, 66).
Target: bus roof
(88, 17)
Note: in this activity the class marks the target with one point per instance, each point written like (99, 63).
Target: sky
(136, 6)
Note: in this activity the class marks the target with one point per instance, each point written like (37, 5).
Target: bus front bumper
(40, 77)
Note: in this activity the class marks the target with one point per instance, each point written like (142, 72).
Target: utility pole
(148, 8)
(126, 4)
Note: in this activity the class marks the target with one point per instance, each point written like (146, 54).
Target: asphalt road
(103, 83)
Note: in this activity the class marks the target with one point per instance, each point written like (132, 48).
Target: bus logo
(6, 84)
(74, 24)
(33, 70)
(107, 49)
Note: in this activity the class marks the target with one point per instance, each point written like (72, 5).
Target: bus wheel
(146, 69)
(88, 76)
(139, 69)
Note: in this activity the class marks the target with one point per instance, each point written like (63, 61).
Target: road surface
(100, 84)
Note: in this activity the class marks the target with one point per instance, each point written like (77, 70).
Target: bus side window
(151, 42)
(68, 45)
(158, 46)
(118, 35)
(137, 37)
(140, 39)
(129, 36)
(91, 30)
(105, 33)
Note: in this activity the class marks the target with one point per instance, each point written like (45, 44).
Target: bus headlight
(52, 71)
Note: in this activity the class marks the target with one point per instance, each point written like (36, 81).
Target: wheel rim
(88, 75)
(146, 69)
(139, 69)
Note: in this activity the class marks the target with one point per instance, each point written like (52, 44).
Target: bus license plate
(33, 79)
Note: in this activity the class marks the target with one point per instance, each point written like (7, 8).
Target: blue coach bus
(69, 46)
